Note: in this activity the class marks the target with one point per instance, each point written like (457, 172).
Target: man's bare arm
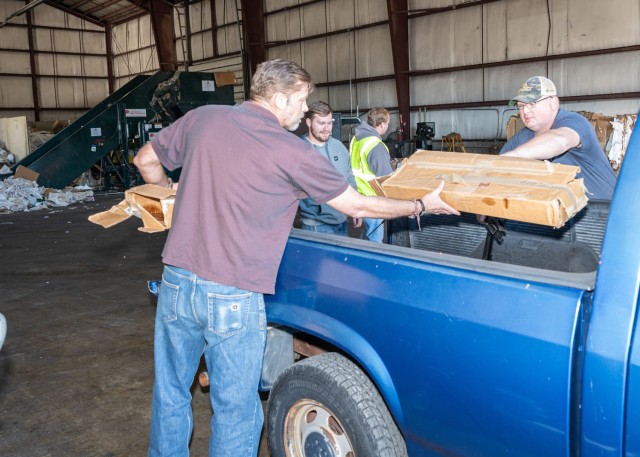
(147, 162)
(547, 145)
(356, 205)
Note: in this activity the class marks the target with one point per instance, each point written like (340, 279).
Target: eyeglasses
(531, 105)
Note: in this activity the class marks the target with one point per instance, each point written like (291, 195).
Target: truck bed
(574, 248)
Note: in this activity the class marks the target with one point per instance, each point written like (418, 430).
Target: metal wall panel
(8, 7)
(373, 60)
(228, 39)
(14, 37)
(496, 32)
(369, 11)
(15, 62)
(446, 40)
(225, 11)
(286, 25)
(15, 92)
(340, 14)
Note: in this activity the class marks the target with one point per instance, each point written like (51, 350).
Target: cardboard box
(514, 125)
(602, 126)
(153, 204)
(506, 187)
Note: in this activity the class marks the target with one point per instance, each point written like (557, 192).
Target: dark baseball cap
(534, 89)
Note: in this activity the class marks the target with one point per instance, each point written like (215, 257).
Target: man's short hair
(377, 116)
(281, 76)
(318, 109)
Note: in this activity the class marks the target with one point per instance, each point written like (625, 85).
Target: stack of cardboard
(506, 187)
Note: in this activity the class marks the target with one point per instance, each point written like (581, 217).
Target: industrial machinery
(109, 135)
(425, 132)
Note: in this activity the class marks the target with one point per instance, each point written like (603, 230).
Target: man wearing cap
(559, 136)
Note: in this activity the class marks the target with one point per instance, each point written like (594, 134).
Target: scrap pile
(20, 194)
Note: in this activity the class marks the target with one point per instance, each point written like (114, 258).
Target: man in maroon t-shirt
(242, 177)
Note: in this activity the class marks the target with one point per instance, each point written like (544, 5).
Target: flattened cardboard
(525, 190)
(153, 204)
(224, 78)
(26, 173)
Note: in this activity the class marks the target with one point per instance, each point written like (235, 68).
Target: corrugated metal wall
(69, 70)
(467, 58)
(467, 61)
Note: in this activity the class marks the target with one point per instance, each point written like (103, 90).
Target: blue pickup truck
(424, 347)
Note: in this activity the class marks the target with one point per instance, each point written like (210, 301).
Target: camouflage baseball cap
(534, 89)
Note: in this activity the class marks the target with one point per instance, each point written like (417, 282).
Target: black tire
(326, 406)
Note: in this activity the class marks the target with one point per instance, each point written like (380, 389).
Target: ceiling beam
(127, 14)
(75, 13)
(90, 11)
(24, 9)
(399, 30)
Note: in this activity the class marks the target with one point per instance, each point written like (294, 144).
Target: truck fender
(343, 337)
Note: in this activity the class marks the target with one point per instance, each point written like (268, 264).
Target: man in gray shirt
(322, 217)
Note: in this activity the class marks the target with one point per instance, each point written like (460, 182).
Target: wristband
(424, 209)
(416, 211)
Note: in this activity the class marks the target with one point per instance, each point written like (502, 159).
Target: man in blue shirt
(316, 217)
(559, 136)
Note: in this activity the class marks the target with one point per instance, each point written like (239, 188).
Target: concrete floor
(76, 369)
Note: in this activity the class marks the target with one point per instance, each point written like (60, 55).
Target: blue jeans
(334, 229)
(373, 230)
(228, 325)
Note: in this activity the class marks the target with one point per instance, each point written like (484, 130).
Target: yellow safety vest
(359, 151)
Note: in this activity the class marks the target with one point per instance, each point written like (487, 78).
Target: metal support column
(399, 30)
(253, 26)
(162, 23)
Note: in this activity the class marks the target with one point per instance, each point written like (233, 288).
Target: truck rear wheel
(326, 406)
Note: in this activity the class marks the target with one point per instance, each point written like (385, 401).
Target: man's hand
(357, 222)
(433, 204)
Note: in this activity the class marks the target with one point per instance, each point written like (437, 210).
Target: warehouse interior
(84, 84)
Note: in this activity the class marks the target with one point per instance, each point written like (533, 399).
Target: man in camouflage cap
(560, 136)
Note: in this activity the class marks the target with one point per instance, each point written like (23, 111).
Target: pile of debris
(619, 139)
(20, 194)
(613, 134)
(6, 158)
